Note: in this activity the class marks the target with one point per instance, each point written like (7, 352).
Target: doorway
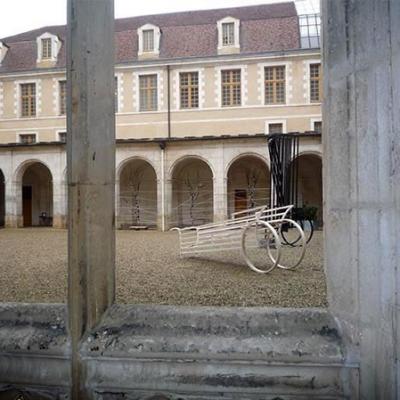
(27, 205)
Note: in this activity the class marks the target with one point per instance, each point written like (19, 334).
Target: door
(27, 205)
(240, 200)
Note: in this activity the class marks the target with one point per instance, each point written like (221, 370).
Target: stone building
(196, 94)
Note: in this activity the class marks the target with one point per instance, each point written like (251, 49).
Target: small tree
(252, 177)
(193, 184)
(135, 180)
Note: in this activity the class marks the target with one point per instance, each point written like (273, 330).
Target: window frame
(288, 82)
(145, 44)
(319, 80)
(58, 133)
(156, 39)
(218, 81)
(20, 99)
(157, 90)
(274, 82)
(179, 84)
(55, 47)
(21, 134)
(312, 123)
(307, 83)
(47, 48)
(228, 20)
(59, 98)
(269, 122)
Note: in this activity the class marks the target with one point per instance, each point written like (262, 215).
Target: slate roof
(264, 28)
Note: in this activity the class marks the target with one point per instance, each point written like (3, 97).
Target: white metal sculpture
(258, 230)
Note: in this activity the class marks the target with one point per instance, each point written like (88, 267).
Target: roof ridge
(164, 15)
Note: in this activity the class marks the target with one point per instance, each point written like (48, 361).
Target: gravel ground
(33, 265)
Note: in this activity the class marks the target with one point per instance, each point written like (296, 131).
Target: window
(46, 49)
(148, 92)
(275, 128)
(63, 97)
(275, 85)
(28, 100)
(62, 137)
(189, 89)
(28, 138)
(231, 87)
(228, 34)
(148, 40)
(318, 126)
(315, 83)
(116, 94)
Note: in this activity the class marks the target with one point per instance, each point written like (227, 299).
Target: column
(361, 143)
(91, 172)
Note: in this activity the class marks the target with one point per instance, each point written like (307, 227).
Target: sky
(18, 16)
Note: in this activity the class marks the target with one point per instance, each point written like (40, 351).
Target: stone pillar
(91, 171)
(361, 142)
(59, 206)
(11, 199)
(220, 196)
(168, 204)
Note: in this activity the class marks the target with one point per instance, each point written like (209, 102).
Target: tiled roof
(264, 28)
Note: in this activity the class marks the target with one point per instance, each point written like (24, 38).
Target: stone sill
(146, 349)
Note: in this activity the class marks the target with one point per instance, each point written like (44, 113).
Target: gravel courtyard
(33, 265)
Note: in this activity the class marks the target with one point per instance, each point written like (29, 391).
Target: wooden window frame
(148, 107)
(317, 80)
(146, 48)
(231, 85)
(21, 137)
(274, 82)
(47, 48)
(193, 90)
(28, 100)
(62, 97)
(228, 35)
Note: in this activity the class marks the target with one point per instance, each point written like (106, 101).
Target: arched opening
(138, 195)
(2, 199)
(37, 196)
(310, 183)
(248, 184)
(192, 193)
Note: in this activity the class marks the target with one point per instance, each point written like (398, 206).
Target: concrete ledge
(34, 350)
(204, 353)
(138, 352)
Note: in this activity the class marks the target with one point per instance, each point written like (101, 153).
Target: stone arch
(309, 165)
(126, 161)
(248, 179)
(34, 182)
(192, 192)
(186, 157)
(2, 199)
(137, 197)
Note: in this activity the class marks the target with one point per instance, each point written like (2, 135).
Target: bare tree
(193, 184)
(135, 180)
(252, 177)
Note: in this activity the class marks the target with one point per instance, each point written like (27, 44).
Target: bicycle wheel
(292, 255)
(261, 247)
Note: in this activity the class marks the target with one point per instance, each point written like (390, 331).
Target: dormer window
(149, 41)
(46, 49)
(228, 35)
(3, 51)
(48, 46)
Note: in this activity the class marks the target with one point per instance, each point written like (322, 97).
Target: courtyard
(33, 268)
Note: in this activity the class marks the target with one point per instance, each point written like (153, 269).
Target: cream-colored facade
(182, 156)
